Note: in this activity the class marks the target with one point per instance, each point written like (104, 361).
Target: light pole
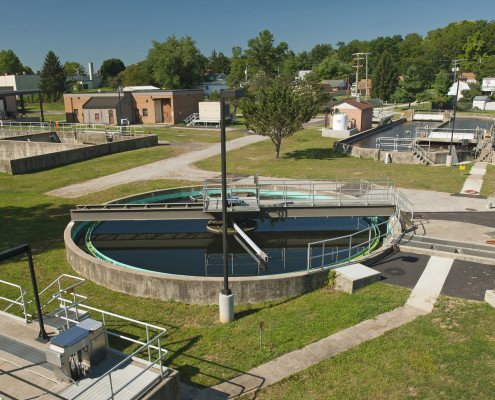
(226, 297)
(119, 89)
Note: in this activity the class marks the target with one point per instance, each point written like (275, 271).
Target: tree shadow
(314, 154)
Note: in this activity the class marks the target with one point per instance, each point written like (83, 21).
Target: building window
(145, 112)
(76, 112)
(97, 116)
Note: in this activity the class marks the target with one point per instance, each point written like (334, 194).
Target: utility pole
(358, 58)
(456, 62)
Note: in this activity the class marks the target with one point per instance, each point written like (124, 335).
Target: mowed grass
(448, 354)
(203, 350)
(308, 155)
(488, 188)
(190, 135)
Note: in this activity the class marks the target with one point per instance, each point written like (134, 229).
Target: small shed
(105, 110)
(360, 112)
(480, 102)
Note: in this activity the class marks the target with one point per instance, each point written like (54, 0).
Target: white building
(462, 86)
(488, 86)
(213, 83)
(480, 102)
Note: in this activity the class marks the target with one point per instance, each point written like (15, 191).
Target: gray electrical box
(85, 343)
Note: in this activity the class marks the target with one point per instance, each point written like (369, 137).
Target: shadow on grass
(315, 154)
(37, 225)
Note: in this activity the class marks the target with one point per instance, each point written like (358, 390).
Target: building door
(111, 120)
(167, 111)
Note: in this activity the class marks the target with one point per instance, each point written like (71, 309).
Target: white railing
(18, 128)
(108, 375)
(70, 289)
(306, 192)
(20, 301)
(330, 255)
(394, 144)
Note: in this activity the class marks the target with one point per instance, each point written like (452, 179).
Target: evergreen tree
(385, 77)
(219, 63)
(52, 78)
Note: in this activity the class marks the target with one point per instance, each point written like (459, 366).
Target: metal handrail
(16, 301)
(60, 290)
(366, 246)
(127, 360)
(105, 314)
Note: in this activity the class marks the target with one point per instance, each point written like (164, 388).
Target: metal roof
(107, 102)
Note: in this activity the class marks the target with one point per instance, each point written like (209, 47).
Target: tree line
(421, 62)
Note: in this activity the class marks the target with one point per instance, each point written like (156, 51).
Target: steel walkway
(267, 198)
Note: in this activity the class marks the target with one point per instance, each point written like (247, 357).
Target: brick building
(139, 107)
(360, 113)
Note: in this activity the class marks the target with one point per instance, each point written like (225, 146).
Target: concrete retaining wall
(22, 159)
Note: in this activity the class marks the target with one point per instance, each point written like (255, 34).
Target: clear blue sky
(89, 30)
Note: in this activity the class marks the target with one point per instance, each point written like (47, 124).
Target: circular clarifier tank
(182, 259)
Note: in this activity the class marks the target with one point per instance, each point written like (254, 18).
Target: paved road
(467, 280)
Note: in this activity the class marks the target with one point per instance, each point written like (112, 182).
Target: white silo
(340, 122)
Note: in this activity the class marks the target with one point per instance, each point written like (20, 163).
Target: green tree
(176, 63)
(9, 63)
(485, 68)
(263, 56)
(219, 63)
(385, 77)
(135, 75)
(442, 85)
(52, 78)
(74, 68)
(333, 68)
(318, 53)
(410, 87)
(110, 69)
(238, 66)
(278, 107)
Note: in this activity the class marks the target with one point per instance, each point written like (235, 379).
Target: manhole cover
(470, 192)
(490, 242)
(471, 209)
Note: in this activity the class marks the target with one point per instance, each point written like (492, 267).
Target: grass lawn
(190, 135)
(308, 155)
(448, 354)
(35, 107)
(488, 188)
(202, 349)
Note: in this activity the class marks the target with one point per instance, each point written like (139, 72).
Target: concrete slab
(355, 276)
(490, 297)
(21, 380)
(429, 286)
(474, 181)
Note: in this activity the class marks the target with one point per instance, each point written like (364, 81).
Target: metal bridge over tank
(268, 198)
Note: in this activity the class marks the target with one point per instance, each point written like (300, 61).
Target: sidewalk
(171, 168)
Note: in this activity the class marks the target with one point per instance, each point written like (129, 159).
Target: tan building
(139, 107)
(360, 113)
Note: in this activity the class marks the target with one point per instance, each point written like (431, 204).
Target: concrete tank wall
(189, 289)
(71, 153)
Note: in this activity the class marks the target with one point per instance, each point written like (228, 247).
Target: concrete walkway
(171, 168)
(473, 183)
(421, 302)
